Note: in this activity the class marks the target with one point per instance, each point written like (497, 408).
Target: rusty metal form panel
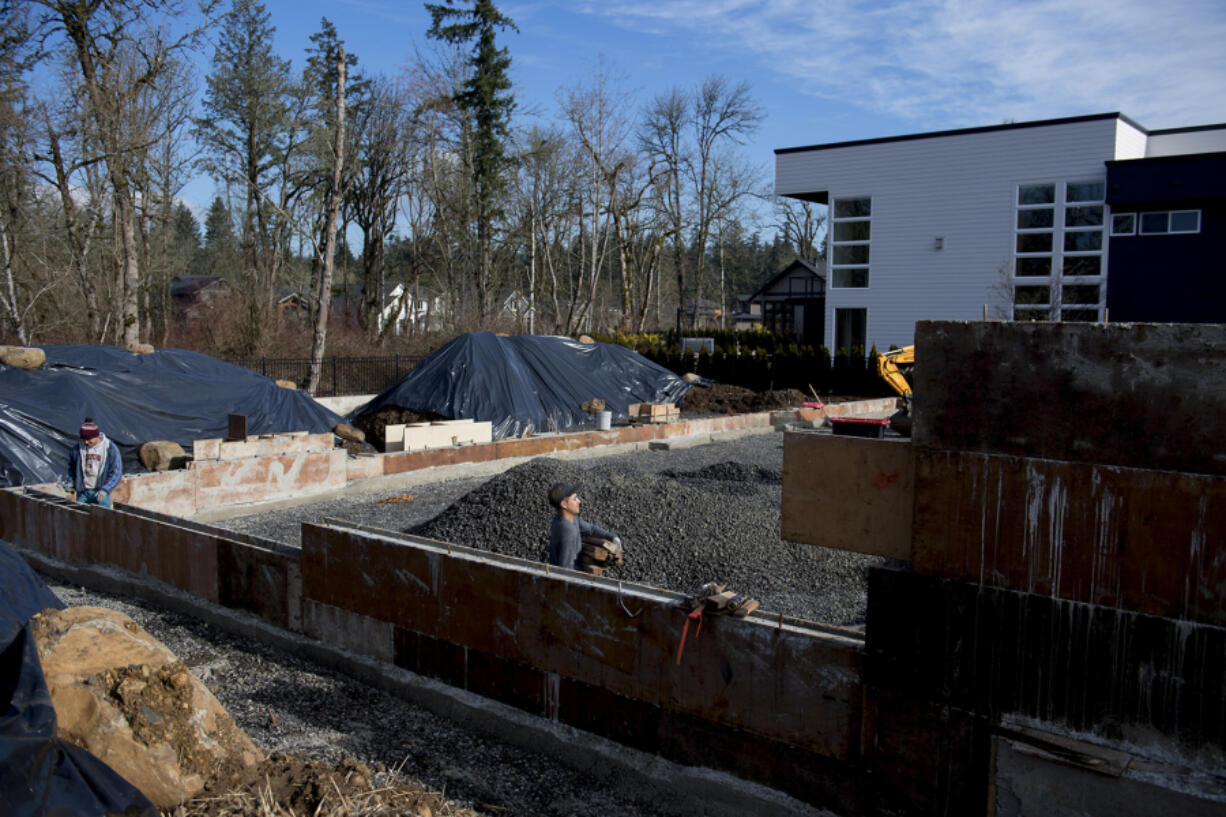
(783, 682)
(183, 558)
(51, 525)
(259, 581)
(1149, 541)
(848, 493)
(1136, 395)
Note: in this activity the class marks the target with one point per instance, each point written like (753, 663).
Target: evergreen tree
(250, 134)
(486, 95)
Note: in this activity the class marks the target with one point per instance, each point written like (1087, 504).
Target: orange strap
(697, 616)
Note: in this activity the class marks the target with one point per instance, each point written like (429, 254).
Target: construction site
(1016, 610)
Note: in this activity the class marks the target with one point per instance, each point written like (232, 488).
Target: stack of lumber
(598, 554)
(653, 412)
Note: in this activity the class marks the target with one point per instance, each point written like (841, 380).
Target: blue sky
(833, 70)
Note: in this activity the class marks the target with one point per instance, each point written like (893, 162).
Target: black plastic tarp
(170, 394)
(40, 774)
(524, 382)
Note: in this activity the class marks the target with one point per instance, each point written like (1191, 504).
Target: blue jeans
(90, 497)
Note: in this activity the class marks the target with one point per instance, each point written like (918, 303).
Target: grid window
(850, 232)
(1036, 194)
(1032, 267)
(1085, 191)
(1079, 265)
(1059, 234)
(1031, 296)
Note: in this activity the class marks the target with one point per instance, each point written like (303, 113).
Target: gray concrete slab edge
(683, 790)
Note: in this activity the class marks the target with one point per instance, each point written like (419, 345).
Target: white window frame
(1116, 232)
(1180, 213)
(836, 220)
(1054, 280)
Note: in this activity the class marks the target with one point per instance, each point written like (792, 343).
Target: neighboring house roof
(190, 286)
(816, 268)
(288, 294)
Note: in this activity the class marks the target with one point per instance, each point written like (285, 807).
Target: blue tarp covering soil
(528, 382)
(170, 394)
(40, 774)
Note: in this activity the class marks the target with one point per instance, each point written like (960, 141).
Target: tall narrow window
(850, 331)
(850, 231)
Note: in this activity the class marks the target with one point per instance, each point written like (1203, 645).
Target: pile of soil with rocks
(680, 529)
(722, 398)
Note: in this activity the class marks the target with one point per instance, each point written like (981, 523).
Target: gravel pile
(293, 706)
(680, 530)
(687, 516)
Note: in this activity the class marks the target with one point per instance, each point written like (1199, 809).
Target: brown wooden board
(797, 686)
(1149, 541)
(1135, 395)
(848, 493)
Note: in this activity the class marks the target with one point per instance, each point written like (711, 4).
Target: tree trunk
(334, 203)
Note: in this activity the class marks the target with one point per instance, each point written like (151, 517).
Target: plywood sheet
(848, 493)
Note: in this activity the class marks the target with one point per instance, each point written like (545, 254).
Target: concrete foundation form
(771, 700)
(1067, 565)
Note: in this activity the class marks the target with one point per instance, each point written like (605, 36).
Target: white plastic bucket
(604, 420)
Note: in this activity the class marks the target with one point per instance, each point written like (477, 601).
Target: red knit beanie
(89, 430)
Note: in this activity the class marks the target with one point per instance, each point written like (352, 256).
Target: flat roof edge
(965, 131)
(1191, 129)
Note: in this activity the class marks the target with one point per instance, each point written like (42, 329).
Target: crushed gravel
(687, 516)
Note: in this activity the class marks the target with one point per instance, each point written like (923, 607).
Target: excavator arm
(888, 366)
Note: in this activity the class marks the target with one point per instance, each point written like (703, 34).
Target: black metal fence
(337, 375)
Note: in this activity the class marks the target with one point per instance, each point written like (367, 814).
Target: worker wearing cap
(567, 530)
(94, 466)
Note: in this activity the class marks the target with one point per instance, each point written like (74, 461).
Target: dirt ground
(722, 398)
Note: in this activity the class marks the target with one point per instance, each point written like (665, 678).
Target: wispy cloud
(968, 62)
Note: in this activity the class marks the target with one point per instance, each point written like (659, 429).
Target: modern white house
(1017, 221)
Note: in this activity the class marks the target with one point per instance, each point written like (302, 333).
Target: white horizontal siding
(1130, 142)
(1177, 144)
(960, 187)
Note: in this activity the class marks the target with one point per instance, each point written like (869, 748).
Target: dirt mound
(375, 423)
(287, 785)
(722, 398)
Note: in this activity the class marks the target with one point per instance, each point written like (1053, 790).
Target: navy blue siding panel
(1173, 278)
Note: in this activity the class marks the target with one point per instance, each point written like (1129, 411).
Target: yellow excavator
(894, 367)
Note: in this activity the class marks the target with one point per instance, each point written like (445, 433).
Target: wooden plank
(848, 493)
